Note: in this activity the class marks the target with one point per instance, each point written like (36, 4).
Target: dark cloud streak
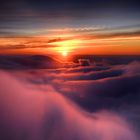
(29, 13)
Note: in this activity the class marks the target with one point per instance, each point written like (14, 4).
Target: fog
(82, 103)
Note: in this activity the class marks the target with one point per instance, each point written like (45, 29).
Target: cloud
(29, 113)
(17, 43)
(22, 62)
(103, 88)
(41, 100)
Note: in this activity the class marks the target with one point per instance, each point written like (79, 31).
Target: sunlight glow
(65, 47)
(64, 53)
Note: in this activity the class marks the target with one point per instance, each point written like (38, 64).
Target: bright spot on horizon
(65, 47)
(64, 53)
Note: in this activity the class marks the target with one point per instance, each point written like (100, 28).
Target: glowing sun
(64, 53)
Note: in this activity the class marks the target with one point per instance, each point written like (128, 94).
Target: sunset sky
(70, 27)
(70, 70)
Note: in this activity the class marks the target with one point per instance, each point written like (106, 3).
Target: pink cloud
(29, 113)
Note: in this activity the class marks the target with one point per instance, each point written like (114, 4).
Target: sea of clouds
(82, 103)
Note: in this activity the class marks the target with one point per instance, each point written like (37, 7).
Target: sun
(65, 47)
(64, 53)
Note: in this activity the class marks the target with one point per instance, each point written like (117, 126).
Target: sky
(70, 27)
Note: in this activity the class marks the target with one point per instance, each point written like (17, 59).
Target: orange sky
(71, 42)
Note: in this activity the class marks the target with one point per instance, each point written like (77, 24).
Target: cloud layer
(37, 115)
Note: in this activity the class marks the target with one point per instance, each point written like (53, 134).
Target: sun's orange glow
(68, 44)
(65, 47)
(64, 53)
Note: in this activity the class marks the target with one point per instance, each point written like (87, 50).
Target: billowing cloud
(28, 113)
